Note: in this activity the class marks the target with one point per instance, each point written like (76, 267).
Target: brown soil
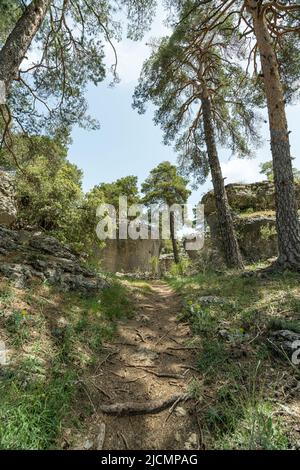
(152, 344)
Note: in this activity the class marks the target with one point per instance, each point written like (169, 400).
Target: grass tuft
(241, 380)
(52, 339)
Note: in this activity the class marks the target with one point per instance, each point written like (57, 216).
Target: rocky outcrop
(29, 255)
(8, 211)
(25, 256)
(253, 210)
(243, 197)
(256, 235)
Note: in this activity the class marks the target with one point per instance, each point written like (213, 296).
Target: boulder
(242, 197)
(288, 343)
(25, 256)
(257, 237)
(8, 210)
(253, 211)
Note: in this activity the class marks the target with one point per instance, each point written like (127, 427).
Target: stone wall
(128, 255)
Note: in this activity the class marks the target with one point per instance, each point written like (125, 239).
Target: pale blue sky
(129, 144)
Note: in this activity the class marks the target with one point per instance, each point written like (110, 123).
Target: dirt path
(148, 361)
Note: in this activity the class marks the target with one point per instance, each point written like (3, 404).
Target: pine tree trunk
(19, 40)
(287, 221)
(173, 238)
(232, 255)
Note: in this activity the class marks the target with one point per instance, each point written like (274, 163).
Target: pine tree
(202, 101)
(165, 186)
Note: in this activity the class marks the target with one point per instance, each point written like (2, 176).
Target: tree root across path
(131, 387)
(132, 408)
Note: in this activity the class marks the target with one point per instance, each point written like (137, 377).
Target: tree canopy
(165, 186)
(172, 78)
(47, 88)
(266, 169)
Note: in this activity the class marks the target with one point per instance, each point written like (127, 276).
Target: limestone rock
(286, 341)
(8, 210)
(192, 442)
(253, 211)
(211, 299)
(144, 356)
(88, 444)
(51, 246)
(257, 237)
(25, 256)
(224, 334)
(257, 196)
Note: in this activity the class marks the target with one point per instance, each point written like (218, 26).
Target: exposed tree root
(148, 369)
(101, 436)
(123, 439)
(276, 267)
(167, 375)
(133, 408)
(279, 266)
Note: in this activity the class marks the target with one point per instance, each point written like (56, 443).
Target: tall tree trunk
(19, 40)
(173, 238)
(287, 222)
(232, 254)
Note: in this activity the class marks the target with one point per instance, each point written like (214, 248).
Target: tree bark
(173, 238)
(232, 254)
(19, 40)
(287, 220)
